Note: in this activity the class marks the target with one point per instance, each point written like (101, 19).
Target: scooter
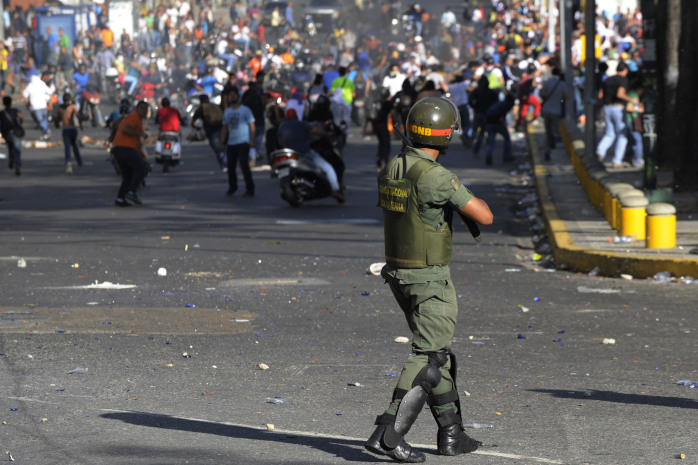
(168, 150)
(299, 178)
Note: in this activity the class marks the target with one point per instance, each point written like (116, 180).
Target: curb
(566, 253)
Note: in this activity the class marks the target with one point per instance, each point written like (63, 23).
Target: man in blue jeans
(36, 95)
(615, 97)
(239, 132)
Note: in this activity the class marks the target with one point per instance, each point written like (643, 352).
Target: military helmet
(431, 122)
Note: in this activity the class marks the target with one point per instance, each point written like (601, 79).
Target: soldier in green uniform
(419, 197)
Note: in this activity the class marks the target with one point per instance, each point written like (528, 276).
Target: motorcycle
(300, 179)
(89, 107)
(168, 150)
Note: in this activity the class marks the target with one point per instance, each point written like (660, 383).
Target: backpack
(212, 115)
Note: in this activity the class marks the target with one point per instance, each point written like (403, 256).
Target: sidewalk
(580, 236)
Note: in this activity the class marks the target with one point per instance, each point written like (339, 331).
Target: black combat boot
(402, 453)
(452, 440)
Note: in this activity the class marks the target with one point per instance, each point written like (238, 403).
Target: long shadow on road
(622, 398)
(347, 449)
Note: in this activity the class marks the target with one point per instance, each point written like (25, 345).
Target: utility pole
(590, 90)
(649, 92)
(566, 50)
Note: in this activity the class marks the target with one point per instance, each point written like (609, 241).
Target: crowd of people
(493, 59)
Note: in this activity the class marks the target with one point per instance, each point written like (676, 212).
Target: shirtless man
(68, 115)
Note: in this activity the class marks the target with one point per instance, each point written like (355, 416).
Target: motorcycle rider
(79, 81)
(168, 117)
(293, 134)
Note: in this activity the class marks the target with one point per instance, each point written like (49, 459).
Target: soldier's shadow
(347, 449)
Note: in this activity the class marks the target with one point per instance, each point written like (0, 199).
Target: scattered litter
(162, 272)
(521, 336)
(685, 382)
(169, 365)
(108, 285)
(263, 366)
(595, 271)
(275, 400)
(476, 342)
(21, 263)
(59, 330)
(270, 427)
(609, 341)
(588, 393)
(365, 293)
(621, 239)
(662, 277)
(190, 305)
(401, 340)
(241, 320)
(375, 268)
(208, 393)
(687, 280)
(478, 425)
(78, 370)
(512, 270)
(12, 459)
(680, 456)
(44, 420)
(75, 265)
(354, 384)
(30, 356)
(186, 355)
(467, 394)
(593, 290)
(626, 277)
(523, 308)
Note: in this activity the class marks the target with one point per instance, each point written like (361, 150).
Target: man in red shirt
(168, 117)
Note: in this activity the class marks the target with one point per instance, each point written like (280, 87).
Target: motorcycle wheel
(95, 119)
(289, 195)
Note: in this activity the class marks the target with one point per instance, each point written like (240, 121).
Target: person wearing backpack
(496, 124)
(212, 117)
(11, 121)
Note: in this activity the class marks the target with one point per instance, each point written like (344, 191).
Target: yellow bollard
(661, 226)
(617, 203)
(611, 205)
(632, 217)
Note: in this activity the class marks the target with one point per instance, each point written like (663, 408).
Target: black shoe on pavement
(230, 193)
(133, 198)
(248, 194)
(452, 440)
(488, 161)
(121, 203)
(18, 170)
(402, 453)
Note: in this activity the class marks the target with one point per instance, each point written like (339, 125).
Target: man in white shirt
(393, 81)
(37, 95)
(448, 19)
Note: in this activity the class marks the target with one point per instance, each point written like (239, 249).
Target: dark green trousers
(428, 299)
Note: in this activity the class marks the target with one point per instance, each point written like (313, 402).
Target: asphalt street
(105, 361)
